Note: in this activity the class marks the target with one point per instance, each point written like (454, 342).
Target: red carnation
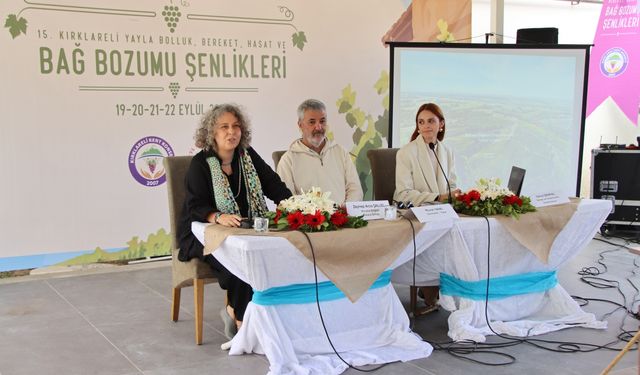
(295, 220)
(474, 195)
(512, 199)
(465, 198)
(518, 200)
(277, 217)
(314, 220)
(339, 218)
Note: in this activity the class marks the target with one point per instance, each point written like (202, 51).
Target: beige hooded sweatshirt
(331, 170)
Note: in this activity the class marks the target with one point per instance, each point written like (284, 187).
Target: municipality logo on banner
(145, 160)
(614, 62)
(613, 72)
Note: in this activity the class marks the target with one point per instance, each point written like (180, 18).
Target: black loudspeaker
(544, 35)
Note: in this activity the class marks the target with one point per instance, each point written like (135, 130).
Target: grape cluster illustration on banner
(171, 16)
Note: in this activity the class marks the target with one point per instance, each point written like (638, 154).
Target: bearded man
(314, 160)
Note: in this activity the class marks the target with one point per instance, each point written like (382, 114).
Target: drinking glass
(261, 224)
(390, 213)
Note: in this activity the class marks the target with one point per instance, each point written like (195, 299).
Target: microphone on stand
(432, 146)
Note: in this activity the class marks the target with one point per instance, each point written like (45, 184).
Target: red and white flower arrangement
(312, 211)
(489, 198)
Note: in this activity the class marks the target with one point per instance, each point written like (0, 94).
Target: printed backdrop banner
(96, 93)
(614, 69)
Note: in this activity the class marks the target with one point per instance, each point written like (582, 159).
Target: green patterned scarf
(222, 190)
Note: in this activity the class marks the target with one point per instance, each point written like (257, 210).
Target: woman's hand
(455, 194)
(445, 197)
(228, 220)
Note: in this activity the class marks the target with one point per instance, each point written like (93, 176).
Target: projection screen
(504, 105)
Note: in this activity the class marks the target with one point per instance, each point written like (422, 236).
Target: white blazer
(416, 179)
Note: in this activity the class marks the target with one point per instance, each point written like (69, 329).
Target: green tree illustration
(134, 248)
(157, 244)
(369, 132)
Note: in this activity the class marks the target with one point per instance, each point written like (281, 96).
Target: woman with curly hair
(226, 181)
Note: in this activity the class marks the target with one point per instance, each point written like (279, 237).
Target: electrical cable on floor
(462, 350)
(470, 350)
(315, 275)
(635, 239)
(592, 277)
(624, 335)
(562, 346)
(628, 240)
(458, 349)
(615, 244)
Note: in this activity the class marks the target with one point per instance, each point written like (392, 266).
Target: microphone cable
(458, 349)
(412, 317)
(465, 349)
(324, 327)
(432, 146)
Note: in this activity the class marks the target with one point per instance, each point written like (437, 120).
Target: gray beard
(318, 144)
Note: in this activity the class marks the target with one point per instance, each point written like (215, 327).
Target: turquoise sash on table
(499, 287)
(306, 293)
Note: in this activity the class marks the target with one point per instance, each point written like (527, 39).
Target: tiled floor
(117, 321)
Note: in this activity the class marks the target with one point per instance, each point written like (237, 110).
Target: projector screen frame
(585, 47)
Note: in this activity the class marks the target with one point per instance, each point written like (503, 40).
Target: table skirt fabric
(462, 253)
(373, 330)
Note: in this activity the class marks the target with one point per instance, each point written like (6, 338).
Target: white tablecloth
(373, 330)
(463, 253)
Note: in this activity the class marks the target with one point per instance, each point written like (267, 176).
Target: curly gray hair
(205, 134)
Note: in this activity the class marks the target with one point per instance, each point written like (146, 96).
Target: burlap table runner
(351, 258)
(537, 230)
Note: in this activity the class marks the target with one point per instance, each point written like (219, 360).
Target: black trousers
(239, 293)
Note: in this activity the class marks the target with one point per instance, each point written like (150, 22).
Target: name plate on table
(370, 210)
(548, 199)
(434, 212)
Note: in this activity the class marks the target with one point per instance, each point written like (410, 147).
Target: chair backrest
(176, 169)
(276, 155)
(383, 172)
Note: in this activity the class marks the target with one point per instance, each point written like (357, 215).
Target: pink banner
(614, 68)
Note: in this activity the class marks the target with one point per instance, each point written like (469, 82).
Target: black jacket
(200, 202)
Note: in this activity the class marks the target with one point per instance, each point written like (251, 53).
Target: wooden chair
(276, 156)
(383, 174)
(195, 272)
